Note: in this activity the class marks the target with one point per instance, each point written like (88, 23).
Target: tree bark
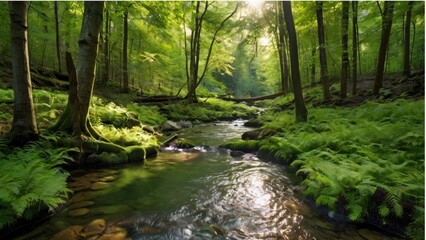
(24, 126)
(86, 61)
(105, 73)
(322, 52)
(125, 39)
(354, 45)
(58, 45)
(345, 59)
(406, 71)
(301, 111)
(282, 50)
(313, 65)
(384, 43)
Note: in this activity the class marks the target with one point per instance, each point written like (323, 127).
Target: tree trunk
(24, 126)
(345, 59)
(354, 45)
(313, 65)
(125, 39)
(406, 71)
(58, 47)
(281, 51)
(86, 61)
(384, 43)
(301, 111)
(105, 73)
(322, 52)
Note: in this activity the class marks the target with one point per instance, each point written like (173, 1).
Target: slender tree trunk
(354, 45)
(322, 52)
(281, 50)
(58, 46)
(384, 43)
(345, 59)
(406, 71)
(313, 64)
(125, 39)
(301, 111)
(24, 126)
(105, 73)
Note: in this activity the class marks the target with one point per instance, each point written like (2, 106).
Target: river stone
(71, 233)
(111, 209)
(236, 153)
(81, 204)
(99, 186)
(82, 196)
(108, 178)
(254, 123)
(78, 212)
(114, 233)
(93, 228)
(251, 135)
(171, 126)
(369, 234)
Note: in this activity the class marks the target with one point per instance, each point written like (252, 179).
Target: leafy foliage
(31, 180)
(361, 161)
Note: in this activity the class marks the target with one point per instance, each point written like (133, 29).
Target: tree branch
(212, 43)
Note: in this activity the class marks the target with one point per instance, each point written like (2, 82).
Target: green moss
(248, 146)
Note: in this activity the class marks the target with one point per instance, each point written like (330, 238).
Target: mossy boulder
(248, 146)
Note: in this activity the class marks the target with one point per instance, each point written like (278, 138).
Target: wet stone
(114, 233)
(107, 179)
(95, 227)
(81, 204)
(78, 212)
(98, 186)
(82, 196)
(71, 233)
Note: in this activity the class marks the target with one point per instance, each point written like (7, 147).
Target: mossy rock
(248, 146)
(107, 159)
(135, 153)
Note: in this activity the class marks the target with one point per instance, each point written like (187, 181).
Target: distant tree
(24, 126)
(105, 72)
(125, 39)
(58, 46)
(407, 24)
(387, 16)
(282, 50)
(195, 49)
(354, 45)
(322, 52)
(345, 59)
(301, 111)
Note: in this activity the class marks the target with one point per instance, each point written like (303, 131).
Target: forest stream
(202, 193)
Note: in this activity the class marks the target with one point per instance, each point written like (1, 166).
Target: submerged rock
(114, 233)
(95, 227)
(81, 204)
(99, 186)
(78, 212)
(71, 233)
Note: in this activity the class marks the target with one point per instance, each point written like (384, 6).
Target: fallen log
(157, 99)
(253, 99)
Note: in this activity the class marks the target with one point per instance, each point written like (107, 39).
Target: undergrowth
(364, 162)
(206, 110)
(31, 180)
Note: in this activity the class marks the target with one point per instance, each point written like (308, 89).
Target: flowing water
(200, 194)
